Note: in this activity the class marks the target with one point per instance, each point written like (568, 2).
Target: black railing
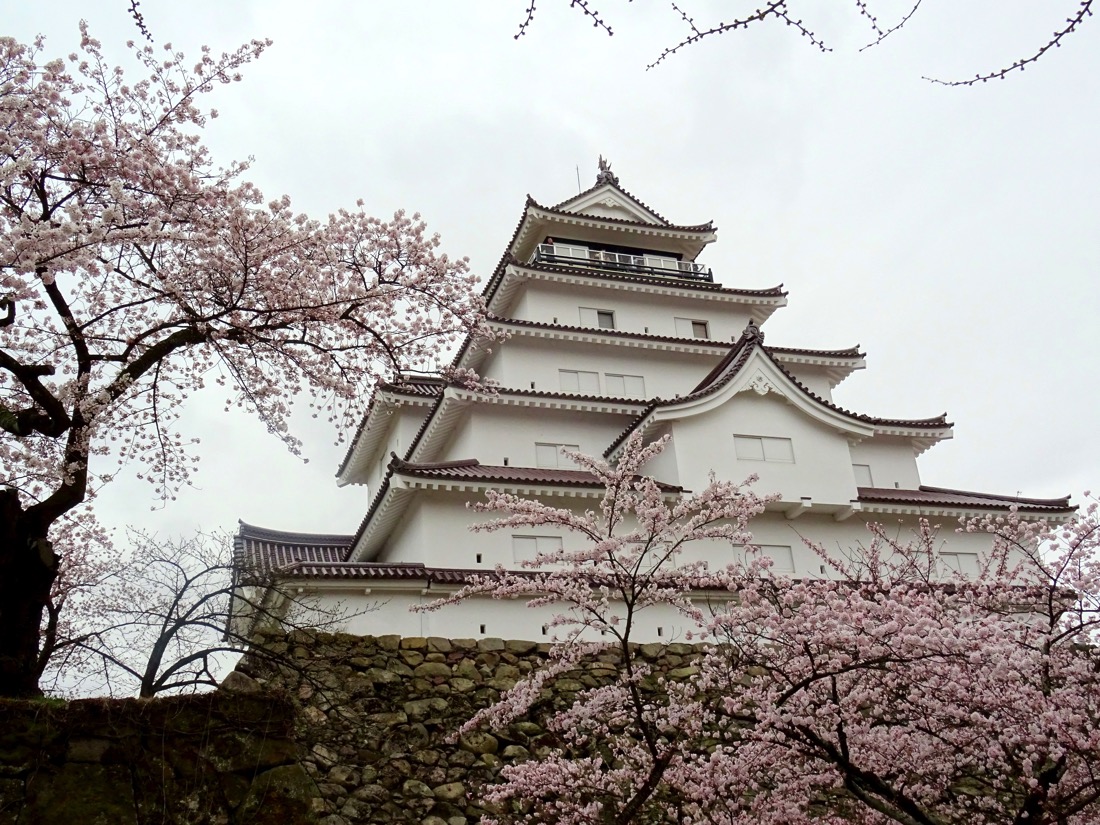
(579, 256)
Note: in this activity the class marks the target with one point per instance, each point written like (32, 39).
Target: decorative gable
(606, 200)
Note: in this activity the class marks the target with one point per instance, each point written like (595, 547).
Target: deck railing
(560, 254)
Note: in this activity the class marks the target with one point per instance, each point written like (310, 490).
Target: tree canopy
(892, 691)
(135, 271)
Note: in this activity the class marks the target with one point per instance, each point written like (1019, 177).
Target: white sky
(952, 233)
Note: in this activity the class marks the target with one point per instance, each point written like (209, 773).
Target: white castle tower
(613, 325)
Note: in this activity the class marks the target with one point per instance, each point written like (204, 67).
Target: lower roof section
(259, 550)
(925, 496)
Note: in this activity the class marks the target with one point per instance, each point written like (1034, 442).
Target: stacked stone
(224, 757)
(379, 716)
(336, 730)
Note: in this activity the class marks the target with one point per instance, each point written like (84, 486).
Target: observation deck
(583, 257)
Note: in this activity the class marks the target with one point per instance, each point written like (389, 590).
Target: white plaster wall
(525, 361)
(436, 534)
(390, 611)
(401, 427)
(435, 531)
(412, 539)
(891, 460)
(839, 539)
(821, 470)
(495, 432)
(550, 302)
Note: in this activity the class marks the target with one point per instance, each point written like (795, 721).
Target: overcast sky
(951, 232)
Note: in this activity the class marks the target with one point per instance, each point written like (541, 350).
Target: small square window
(550, 456)
(692, 328)
(602, 318)
(863, 475)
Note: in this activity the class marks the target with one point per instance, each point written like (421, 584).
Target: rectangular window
(526, 548)
(965, 563)
(863, 475)
(624, 386)
(781, 557)
(691, 328)
(551, 457)
(763, 448)
(579, 381)
(602, 318)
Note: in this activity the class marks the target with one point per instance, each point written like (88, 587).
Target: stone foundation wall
(349, 729)
(377, 714)
(219, 757)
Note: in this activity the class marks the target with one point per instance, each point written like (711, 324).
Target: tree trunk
(28, 567)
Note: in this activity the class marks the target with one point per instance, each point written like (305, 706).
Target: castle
(610, 324)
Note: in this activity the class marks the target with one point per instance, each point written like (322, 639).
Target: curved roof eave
(713, 391)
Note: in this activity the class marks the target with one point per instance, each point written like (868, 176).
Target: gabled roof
(616, 197)
(750, 345)
(641, 218)
(604, 188)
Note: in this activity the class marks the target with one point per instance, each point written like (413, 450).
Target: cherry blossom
(896, 690)
(135, 271)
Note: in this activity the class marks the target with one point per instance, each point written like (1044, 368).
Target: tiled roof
(299, 554)
(653, 280)
(610, 333)
(412, 386)
(493, 282)
(848, 352)
(720, 376)
(472, 470)
(573, 396)
(725, 371)
(945, 497)
(428, 386)
(262, 550)
(386, 571)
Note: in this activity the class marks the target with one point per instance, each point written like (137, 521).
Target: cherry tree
(894, 691)
(169, 616)
(790, 13)
(134, 271)
(82, 595)
(900, 692)
(631, 561)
